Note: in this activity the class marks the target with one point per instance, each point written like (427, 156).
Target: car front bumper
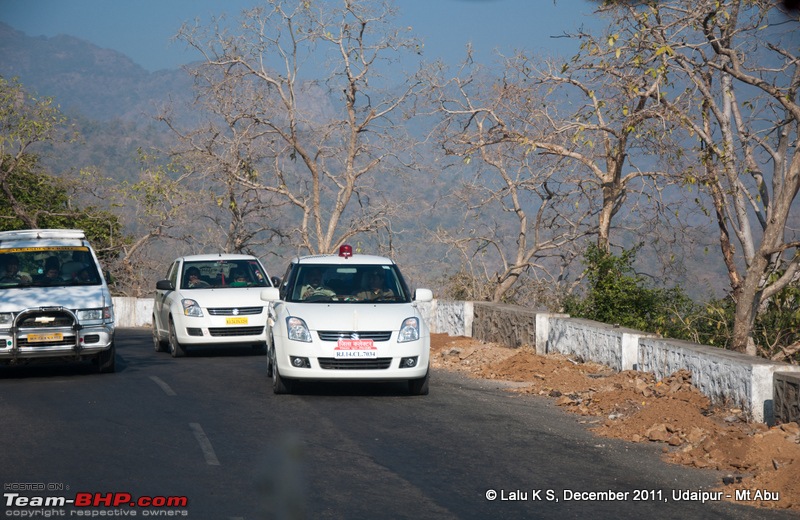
(88, 341)
(217, 330)
(321, 361)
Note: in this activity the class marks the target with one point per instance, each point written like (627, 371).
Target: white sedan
(210, 300)
(347, 317)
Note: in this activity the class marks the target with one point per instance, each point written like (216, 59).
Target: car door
(164, 299)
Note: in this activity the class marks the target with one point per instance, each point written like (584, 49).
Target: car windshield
(62, 266)
(223, 274)
(351, 283)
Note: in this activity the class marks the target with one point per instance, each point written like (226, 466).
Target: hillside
(85, 80)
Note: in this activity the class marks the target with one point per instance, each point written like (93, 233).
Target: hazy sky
(142, 29)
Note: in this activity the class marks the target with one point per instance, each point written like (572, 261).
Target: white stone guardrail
(722, 375)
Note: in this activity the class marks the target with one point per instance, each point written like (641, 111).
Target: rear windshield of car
(62, 266)
(351, 283)
(223, 274)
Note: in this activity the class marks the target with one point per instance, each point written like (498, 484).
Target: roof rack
(33, 234)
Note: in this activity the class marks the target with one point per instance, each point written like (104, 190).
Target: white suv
(347, 317)
(210, 300)
(54, 300)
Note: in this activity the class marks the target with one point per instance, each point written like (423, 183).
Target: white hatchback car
(210, 300)
(347, 317)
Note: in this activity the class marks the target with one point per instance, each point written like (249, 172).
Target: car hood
(353, 316)
(75, 297)
(227, 297)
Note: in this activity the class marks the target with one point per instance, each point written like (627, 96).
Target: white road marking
(205, 444)
(164, 386)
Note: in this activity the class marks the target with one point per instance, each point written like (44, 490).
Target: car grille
(235, 331)
(354, 364)
(47, 320)
(241, 311)
(334, 335)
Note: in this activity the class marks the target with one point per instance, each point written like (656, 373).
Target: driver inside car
(314, 287)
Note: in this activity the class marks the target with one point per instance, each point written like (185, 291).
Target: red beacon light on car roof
(346, 251)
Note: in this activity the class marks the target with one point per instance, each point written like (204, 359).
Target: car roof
(340, 260)
(216, 257)
(33, 237)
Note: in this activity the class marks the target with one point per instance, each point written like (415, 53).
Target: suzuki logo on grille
(45, 319)
(354, 335)
(235, 312)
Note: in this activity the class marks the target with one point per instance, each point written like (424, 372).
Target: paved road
(209, 428)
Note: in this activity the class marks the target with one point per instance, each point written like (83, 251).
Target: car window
(223, 274)
(48, 266)
(346, 283)
(287, 280)
(172, 273)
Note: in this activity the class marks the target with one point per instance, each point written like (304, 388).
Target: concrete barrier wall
(787, 397)
(722, 375)
(452, 318)
(133, 312)
(615, 347)
(508, 325)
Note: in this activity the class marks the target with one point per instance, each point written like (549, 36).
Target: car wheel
(159, 345)
(419, 386)
(175, 348)
(107, 360)
(279, 384)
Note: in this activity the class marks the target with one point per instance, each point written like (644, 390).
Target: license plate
(40, 338)
(236, 321)
(355, 348)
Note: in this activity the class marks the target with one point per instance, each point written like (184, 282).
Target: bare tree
(306, 111)
(598, 112)
(741, 63)
(578, 128)
(520, 216)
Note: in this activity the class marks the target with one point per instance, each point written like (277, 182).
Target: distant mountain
(84, 79)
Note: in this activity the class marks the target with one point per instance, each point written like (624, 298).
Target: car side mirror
(270, 294)
(276, 282)
(165, 285)
(423, 295)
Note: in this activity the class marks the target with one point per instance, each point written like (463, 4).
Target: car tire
(279, 384)
(270, 362)
(175, 347)
(159, 345)
(419, 386)
(107, 360)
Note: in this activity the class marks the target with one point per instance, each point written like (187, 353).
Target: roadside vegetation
(579, 184)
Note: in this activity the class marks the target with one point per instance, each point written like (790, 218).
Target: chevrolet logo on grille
(45, 319)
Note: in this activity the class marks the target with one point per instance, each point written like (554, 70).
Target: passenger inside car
(193, 280)
(376, 288)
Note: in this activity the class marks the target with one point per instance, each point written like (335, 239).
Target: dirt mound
(637, 407)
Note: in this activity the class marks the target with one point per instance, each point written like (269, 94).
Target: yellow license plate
(236, 321)
(39, 338)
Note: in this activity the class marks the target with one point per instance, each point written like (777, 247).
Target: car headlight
(409, 331)
(297, 329)
(94, 314)
(192, 308)
(6, 319)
